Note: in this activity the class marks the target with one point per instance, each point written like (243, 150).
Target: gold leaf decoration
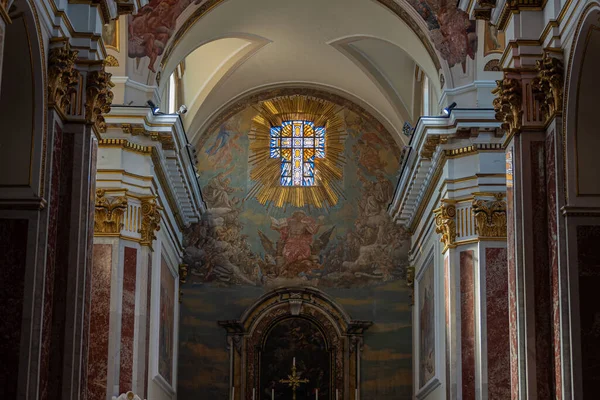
(490, 217)
(150, 221)
(445, 224)
(266, 171)
(108, 217)
(111, 61)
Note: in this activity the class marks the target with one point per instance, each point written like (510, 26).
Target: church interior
(318, 199)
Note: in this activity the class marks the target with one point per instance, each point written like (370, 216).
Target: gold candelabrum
(294, 380)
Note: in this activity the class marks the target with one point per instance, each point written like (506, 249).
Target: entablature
(448, 156)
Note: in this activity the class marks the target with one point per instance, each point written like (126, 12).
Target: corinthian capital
(548, 85)
(150, 221)
(508, 105)
(98, 97)
(445, 224)
(62, 76)
(490, 217)
(108, 217)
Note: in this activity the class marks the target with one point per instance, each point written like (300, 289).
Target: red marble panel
(553, 214)
(512, 277)
(99, 322)
(467, 324)
(588, 259)
(542, 293)
(88, 268)
(13, 255)
(128, 319)
(497, 322)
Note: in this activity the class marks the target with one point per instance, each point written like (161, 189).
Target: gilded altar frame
(246, 336)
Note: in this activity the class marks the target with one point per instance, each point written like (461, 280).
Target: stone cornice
(174, 170)
(435, 140)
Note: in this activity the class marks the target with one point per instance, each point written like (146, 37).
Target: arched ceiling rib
(300, 51)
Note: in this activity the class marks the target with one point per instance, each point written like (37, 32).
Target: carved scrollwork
(490, 217)
(445, 224)
(62, 76)
(548, 85)
(508, 104)
(150, 221)
(108, 216)
(99, 98)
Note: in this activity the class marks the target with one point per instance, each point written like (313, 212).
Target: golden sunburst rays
(265, 171)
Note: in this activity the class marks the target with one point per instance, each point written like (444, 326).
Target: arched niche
(582, 198)
(248, 335)
(22, 104)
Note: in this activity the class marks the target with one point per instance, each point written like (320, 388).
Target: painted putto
(242, 241)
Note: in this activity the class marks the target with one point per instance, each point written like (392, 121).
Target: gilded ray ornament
(302, 121)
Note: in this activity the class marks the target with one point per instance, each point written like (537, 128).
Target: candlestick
(233, 393)
(272, 394)
(294, 362)
(356, 393)
(316, 394)
(337, 395)
(253, 394)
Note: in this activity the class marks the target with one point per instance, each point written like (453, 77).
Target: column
(529, 102)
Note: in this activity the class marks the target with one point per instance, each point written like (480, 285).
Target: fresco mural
(386, 364)
(241, 242)
(165, 341)
(150, 30)
(426, 325)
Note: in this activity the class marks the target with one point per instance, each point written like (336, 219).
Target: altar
(296, 344)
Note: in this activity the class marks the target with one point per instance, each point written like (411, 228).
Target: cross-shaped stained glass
(297, 144)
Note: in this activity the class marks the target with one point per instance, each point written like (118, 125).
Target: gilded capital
(548, 85)
(490, 217)
(108, 216)
(445, 224)
(150, 221)
(99, 98)
(62, 76)
(508, 104)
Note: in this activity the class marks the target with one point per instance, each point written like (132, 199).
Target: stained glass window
(297, 144)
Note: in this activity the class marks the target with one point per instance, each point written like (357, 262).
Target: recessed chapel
(297, 200)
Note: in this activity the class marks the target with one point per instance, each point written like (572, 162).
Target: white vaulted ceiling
(357, 49)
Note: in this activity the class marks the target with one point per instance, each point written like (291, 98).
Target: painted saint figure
(296, 235)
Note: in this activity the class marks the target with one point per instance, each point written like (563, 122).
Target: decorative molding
(62, 76)
(490, 216)
(183, 272)
(548, 85)
(166, 139)
(492, 65)
(111, 61)
(431, 143)
(445, 223)
(150, 221)
(410, 282)
(99, 98)
(482, 13)
(508, 104)
(108, 215)
(486, 3)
